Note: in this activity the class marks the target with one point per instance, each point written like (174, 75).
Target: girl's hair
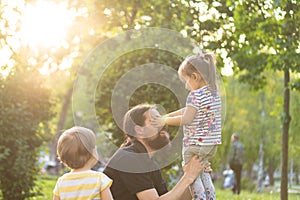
(203, 64)
(135, 116)
(76, 146)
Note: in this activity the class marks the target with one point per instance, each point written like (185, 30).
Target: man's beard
(158, 142)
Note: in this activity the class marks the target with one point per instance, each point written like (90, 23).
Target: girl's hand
(158, 121)
(208, 169)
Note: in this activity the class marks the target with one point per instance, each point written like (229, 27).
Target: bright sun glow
(45, 24)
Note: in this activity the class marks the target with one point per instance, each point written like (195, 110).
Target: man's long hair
(134, 117)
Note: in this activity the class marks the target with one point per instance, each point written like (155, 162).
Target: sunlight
(227, 70)
(5, 63)
(45, 24)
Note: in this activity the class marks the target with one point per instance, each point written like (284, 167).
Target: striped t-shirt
(205, 128)
(81, 185)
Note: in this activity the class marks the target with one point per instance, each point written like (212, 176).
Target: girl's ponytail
(212, 71)
(205, 65)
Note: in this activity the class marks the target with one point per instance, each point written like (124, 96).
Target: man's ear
(138, 129)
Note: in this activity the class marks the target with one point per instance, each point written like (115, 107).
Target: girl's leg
(208, 152)
(209, 186)
(197, 189)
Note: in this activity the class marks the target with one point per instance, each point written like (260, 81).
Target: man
(137, 177)
(236, 160)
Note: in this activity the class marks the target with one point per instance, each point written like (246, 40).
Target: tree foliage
(175, 15)
(144, 94)
(267, 37)
(24, 110)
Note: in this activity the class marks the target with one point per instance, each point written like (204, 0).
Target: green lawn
(245, 195)
(47, 183)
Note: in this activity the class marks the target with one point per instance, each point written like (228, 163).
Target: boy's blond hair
(76, 147)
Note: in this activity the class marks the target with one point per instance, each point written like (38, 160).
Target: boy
(76, 148)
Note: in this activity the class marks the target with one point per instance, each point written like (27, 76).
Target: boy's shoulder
(87, 173)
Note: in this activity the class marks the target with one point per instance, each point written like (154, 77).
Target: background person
(228, 178)
(236, 161)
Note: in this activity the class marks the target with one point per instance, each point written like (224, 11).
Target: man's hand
(193, 168)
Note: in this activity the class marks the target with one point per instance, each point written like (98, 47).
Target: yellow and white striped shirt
(81, 185)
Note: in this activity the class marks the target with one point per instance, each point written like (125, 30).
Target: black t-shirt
(132, 171)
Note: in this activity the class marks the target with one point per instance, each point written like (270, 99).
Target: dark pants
(237, 169)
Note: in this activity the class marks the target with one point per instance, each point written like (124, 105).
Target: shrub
(24, 107)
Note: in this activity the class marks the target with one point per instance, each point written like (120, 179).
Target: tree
(130, 15)
(59, 60)
(295, 127)
(25, 108)
(267, 38)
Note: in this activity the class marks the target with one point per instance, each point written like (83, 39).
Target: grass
(245, 195)
(47, 183)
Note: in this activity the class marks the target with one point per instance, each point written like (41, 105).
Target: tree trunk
(61, 121)
(285, 136)
(271, 170)
(296, 176)
(271, 178)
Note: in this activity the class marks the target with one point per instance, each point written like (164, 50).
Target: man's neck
(150, 151)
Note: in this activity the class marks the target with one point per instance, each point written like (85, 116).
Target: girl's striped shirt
(205, 129)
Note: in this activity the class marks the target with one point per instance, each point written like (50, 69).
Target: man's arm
(179, 192)
(187, 195)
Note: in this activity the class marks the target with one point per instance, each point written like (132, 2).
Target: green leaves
(24, 104)
(146, 93)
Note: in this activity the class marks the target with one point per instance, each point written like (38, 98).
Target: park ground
(47, 183)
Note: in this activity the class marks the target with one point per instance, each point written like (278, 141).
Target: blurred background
(44, 44)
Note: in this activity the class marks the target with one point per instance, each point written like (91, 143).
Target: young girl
(76, 148)
(201, 117)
